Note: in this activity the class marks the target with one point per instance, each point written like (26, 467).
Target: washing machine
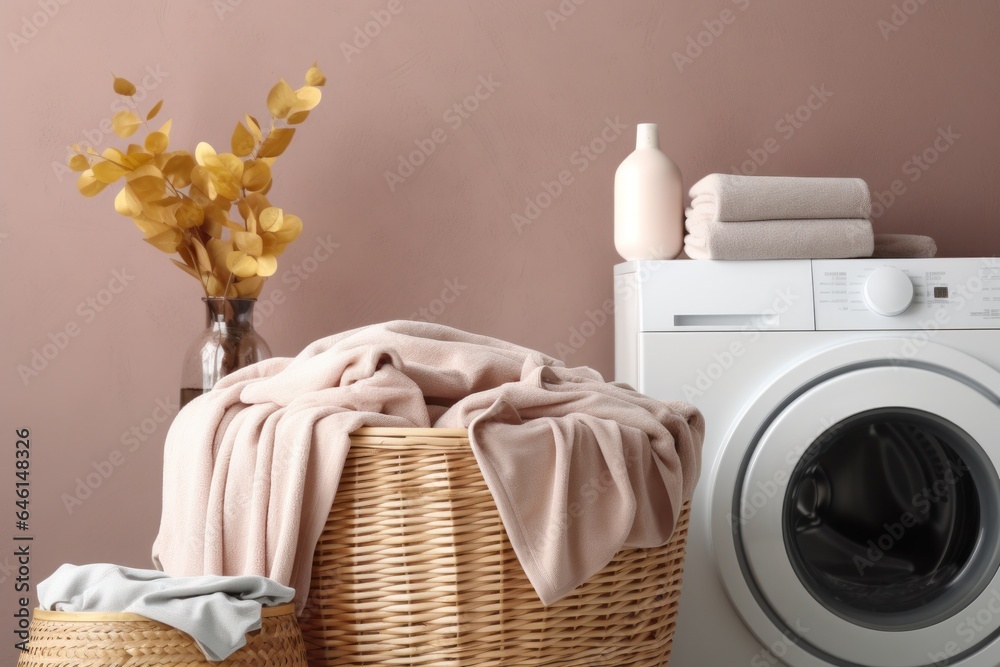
(848, 511)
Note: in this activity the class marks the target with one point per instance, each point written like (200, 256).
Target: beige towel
(904, 245)
(579, 468)
(733, 198)
(777, 239)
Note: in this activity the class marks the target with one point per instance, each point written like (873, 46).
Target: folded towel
(251, 468)
(777, 239)
(733, 198)
(217, 612)
(904, 245)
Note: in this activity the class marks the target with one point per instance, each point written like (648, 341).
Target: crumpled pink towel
(579, 468)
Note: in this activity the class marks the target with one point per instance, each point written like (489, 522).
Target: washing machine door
(864, 516)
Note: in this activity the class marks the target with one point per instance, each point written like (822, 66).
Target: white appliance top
(813, 294)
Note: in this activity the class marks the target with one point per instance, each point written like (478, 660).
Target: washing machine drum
(869, 521)
(884, 516)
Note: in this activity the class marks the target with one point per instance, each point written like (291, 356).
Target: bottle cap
(647, 136)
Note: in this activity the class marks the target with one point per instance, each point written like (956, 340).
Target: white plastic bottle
(649, 204)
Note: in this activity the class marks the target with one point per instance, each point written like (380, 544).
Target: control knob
(888, 291)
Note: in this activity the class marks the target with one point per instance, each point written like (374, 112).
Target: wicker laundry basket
(92, 639)
(414, 568)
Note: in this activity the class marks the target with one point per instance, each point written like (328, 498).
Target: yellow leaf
(249, 287)
(125, 123)
(281, 99)
(150, 227)
(241, 264)
(276, 142)
(156, 142)
(271, 244)
(314, 76)
(167, 241)
(108, 172)
(251, 219)
(218, 250)
(233, 165)
(214, 219)
(307, 97)
(226, 185)
(158, 213)
(124, 87)
(256, 175)
(136, 159)
(215, 286)
(214, 214)
(165, 128)
(254, 126)
(127, 203)
(211, 228)
(115, 155)
(296, 117)
(202, 151)
(290, 229)
(249, 243)
(188, 214)
(79, 163)
(201, 256)
(147, 183)
(186, 269)
(242, 141)
(155, 110)
(178, 169)
(257, 202)
(271, 219)
(201, 178)
(266, 265)
(163, 237)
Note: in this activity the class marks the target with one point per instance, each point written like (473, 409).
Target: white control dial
(888, 291)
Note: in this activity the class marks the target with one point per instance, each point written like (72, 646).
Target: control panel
(938, 293)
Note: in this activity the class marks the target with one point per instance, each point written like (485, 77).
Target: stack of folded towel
(785, 217)
(778, 217)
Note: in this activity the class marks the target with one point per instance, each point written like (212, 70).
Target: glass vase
(228, 343)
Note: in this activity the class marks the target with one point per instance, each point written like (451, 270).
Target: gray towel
(777, 239)
(217, 612)
(733, 198)
(904, 245)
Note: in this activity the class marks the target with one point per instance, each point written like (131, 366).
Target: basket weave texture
(414, 568)
(91, 639)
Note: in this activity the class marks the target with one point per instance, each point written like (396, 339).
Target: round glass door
(870, 516)
(882, 519)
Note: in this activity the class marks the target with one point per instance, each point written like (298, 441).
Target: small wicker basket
(92, 639)
(414, 568)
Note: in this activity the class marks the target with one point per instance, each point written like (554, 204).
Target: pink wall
(562, 88)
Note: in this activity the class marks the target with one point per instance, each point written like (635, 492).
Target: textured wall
(546, 89)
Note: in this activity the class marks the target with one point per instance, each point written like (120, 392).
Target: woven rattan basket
(91, 639)
(414, 568)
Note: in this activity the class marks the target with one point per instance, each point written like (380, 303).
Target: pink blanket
(579, 468)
